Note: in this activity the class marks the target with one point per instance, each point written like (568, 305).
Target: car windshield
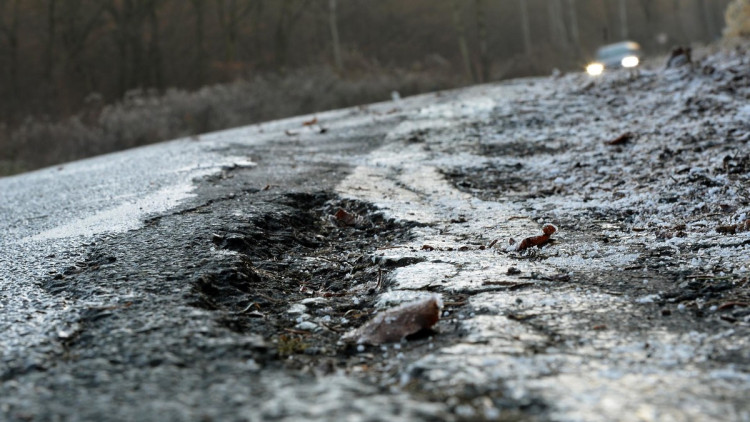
(617, 50)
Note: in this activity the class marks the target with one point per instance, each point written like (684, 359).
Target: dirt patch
(498, 182)
(301, 254)
(662, 177)
(278, 265)
(698, 289)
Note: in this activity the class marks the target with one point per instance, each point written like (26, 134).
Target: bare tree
(335, 34)
(288, 17)
(708, 19)
(9, 22)
(232, 14)
(458, 23)
(525, 29)
(155, 43)
(557, 22)
(201, 57)
(77, 21)
(575, 38)
(677, 18)
(140, 64)
(623, 20)
(49, 45)
(648, 10)
(484, 58)
(153, 54)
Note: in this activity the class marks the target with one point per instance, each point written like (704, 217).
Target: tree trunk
(600, 15)
(557, 23)
(525, 30)
(646, 5)
(623, 20)
(76, 21)
(156, 77)
(287, 19)
(138, 67)
(228, 22)
(281, 38)
(10, 31)
(49, 47)
(335, 35)
(458, 22)
(201, 56)
(13, 66)
(233, 33)
(677, 16)
(575, 38)
(484, 58)
(708, 19)
(129, 17)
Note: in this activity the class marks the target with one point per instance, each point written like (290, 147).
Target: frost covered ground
(640, 310)
(229, 299)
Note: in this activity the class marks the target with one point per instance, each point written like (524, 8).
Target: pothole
(305, 272)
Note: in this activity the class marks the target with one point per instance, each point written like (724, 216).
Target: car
(625, 54)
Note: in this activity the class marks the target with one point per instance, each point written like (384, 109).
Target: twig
(709, 277)
(268, 298)
(510, 285)
(247, 309)
(334, 329)
(729, 305)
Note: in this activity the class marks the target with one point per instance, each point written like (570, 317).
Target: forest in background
(84, 77)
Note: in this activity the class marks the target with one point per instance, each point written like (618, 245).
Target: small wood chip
(622, 139)
(397, 323)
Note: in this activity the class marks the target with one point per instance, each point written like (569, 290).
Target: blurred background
(85, 77)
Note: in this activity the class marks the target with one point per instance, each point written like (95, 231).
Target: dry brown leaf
(310, 122)
(346, 218)
(539, 241)
(396, 323)
(622, 139)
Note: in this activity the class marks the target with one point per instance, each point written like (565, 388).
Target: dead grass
(738, 20)
(146, 116)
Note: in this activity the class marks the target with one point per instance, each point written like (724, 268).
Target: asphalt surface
(99, 261)
(209, 279)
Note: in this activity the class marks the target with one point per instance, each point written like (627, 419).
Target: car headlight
(629, 61)
(595, 69)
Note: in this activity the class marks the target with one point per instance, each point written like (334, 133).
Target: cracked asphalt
(209, 279)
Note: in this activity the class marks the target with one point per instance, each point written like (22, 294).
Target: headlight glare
(629, 61)
(595, 69)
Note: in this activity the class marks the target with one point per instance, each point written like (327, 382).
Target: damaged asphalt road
(213, 278)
